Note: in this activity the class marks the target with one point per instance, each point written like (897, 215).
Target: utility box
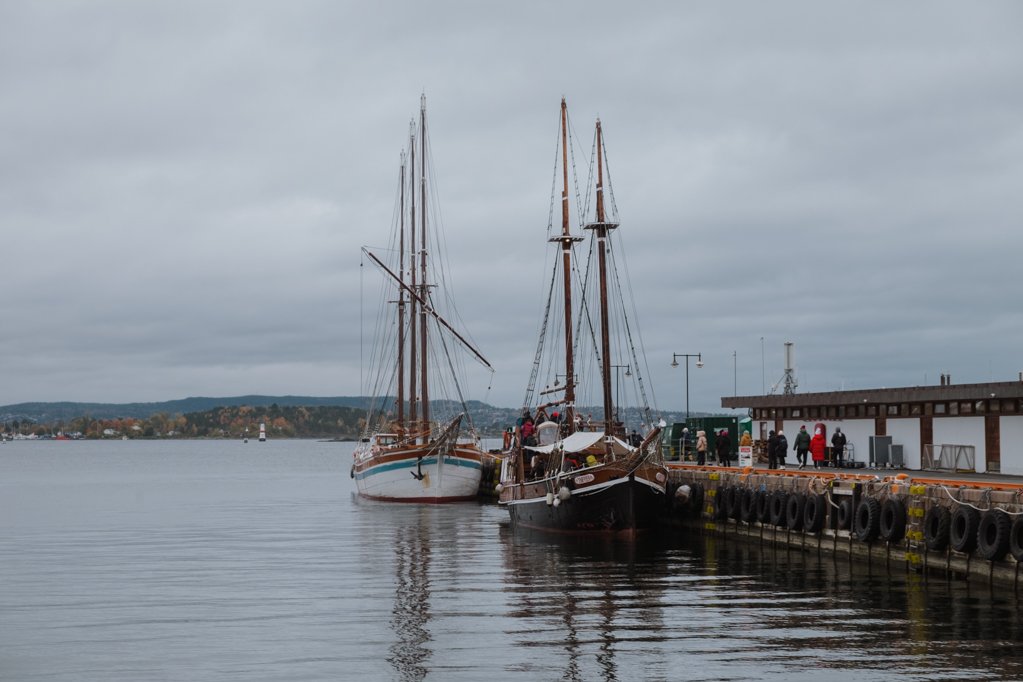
(897, 459)
(880, 450)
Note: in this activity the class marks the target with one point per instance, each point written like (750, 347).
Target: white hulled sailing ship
(419, 444)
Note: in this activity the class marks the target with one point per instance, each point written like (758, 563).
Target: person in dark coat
(723, 445)
(783, 449)
(838, 446)
(801, 446)
(772, 450)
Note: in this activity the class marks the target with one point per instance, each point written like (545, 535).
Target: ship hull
(418, 475)
(609, 504)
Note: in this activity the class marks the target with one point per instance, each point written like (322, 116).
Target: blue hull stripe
(411, 464)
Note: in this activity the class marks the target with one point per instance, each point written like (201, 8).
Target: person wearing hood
(817, 447)
(723, 445)
(801, 445)
(782, 449)
(701, 447)
(772, 450)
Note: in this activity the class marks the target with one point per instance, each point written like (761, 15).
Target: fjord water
(215, 560)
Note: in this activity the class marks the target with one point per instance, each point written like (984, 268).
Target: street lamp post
(699, 364)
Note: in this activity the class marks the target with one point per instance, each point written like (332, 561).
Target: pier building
(954, 427)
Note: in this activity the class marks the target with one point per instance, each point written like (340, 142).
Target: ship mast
(401, 301)
(413, 358)
(566, 240)
(422, 268)
(603, 228)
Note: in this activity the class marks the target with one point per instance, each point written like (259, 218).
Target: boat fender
(844, 514)
(936, 523)
(794, 511)
(557, 502)
(564, 493)
(683, 492)
(867, 521)
(779, 500)
(892, 523)
(550, 499)
(993, 535)
(499, 488)
(1016, 539)
(962, 533)
(814, 512)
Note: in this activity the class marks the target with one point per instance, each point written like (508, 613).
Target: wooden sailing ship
(581, 476)
(407, 452)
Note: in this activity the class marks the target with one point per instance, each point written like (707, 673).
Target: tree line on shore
(320, 421)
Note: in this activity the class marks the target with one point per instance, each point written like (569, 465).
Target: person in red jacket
(817, 448)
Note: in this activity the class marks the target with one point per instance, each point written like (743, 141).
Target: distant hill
(64, 411)
(488, 418)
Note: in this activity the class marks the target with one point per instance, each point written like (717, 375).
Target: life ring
(794, 511)
(993, 535)
(867, 521)
(749, 505)
(779, 501)
(696, 499)
(962, 534)
(763, 506)
(892, 524)
(814, 513)
(1016, 539)
(936, 523)
(844, 514)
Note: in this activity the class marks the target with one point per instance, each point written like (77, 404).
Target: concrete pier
(964, 529)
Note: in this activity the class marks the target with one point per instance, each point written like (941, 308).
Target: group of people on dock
(804, 443)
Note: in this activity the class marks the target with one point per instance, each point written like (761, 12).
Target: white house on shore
(976, 427)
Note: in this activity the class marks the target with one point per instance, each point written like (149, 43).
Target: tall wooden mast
(603, 228)
(413, 374)
(566, 240)
(401, 300)
(425, 293)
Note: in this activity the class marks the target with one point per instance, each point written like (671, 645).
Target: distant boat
(406, 454)
(262, 432)
(573, 477)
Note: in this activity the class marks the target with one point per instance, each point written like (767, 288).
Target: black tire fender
(1016, 539)
(749, 505)
(993, 535)
(696, 499)
(779, 500)
(866, 524)
(892, 525)
(763, 506)
(794, 511)
(962, 534)
(844, 514)
(814, 513)
(735, 504)
(721, 504)
(936, 523)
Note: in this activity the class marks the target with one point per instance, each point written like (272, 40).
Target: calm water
(223, 560)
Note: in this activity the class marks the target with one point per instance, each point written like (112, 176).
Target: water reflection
(411, 611)
(588, 598)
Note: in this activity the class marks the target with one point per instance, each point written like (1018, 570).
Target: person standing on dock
(801, 446)
(838, 446)
(817, 447)
(772, 450)
(782, 449)
(724, 448)
(701, 447)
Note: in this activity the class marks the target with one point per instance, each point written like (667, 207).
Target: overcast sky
(185, 186)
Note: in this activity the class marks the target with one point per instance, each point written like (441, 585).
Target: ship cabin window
(916, 408)
(795, 413)
(387, 439)
(893, 410)
(1008, 406)
(965, 408)
(953, 409)
(939, 408)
